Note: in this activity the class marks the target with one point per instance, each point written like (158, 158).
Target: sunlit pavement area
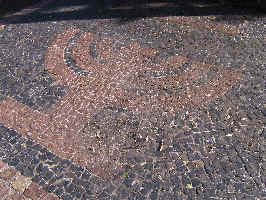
(125, 100)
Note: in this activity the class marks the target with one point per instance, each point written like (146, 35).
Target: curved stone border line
(70, 62)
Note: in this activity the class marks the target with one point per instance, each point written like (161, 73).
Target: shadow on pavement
(125, 10)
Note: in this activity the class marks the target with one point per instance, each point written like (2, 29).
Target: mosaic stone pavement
(153, 108)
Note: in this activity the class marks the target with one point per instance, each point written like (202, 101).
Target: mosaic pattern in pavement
(140, 118)
(126, 78)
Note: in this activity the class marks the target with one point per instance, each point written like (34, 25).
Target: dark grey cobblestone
(38, 93)
(230, 160)
(22, 75)
(55, 174)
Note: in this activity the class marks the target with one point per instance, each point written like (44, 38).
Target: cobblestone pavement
(165, 107)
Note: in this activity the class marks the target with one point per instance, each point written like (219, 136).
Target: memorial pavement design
(111, 118)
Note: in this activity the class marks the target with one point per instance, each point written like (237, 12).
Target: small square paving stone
(21, 183)
(2, 165)
(8, 173)
(34, 191)
(17, 196)
(4, 188)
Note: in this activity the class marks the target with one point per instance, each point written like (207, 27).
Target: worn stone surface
(152, 108)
